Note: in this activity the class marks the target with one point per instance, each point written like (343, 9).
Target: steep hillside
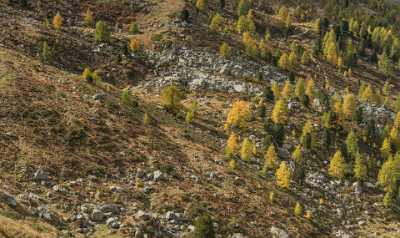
(95, 142)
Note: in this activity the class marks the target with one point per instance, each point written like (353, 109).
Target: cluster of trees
(356, 155)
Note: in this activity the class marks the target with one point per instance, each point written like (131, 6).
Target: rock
(278, 233)
(8, 199)
(140, 173)
(357, 186)
(237, 235)
(98, 216)
(369, 185)
(157, 175)
(110, 208)
(99, 97)
(40, 175)
(239, 88)
(113, 222)
(142, 215)
(44, 213)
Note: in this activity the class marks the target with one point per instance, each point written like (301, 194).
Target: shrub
(225, 50)
(87, 75)
(298, 209)
(57, 21)
(134, 28)
(135, 45)
(45, 54)
(88, 18)
(201, 5)
(203, 227)
(102, 33)
(171, 97)
(217, 23)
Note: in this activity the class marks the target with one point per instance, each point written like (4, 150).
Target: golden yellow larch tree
(57, 22)
(349, 106)
(310, 88)
(88, 18)
(280, 112)
(368, 94)
(246, 150)
(283, 175)
(287, 90)
(337, 166)
(386, 148)
(232, 145)
(300, 88)
(276, 91)
(270, 158)
(239, 115)
(297, 155)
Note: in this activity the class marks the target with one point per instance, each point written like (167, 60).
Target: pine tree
(300, 89)
(246, 150)
(305, 58)
(298, 209)
(283, 175)
(396, 122)
(388, 199)
(337, 166)
(360, 168)
(287, 90)
(352, 143)
(385, 65)
(310, 89)
(88, 18)
(191, 113)
(297, 155)
(292, 59)
(225, 50)
(243, 7)
(270, 159)
(126, 97)
(276, 91)
(57, 21)
(386, 148)
(330, 47)
(239, 115)
(349, 106)
(217, 23)
(284, 62)
(232, 145)
(389, 174)
(283, 13)
(245, 24)
(45, 54)
(306, 132)
(368, 94)
(279, 112)
(102, 33)
(146, 119)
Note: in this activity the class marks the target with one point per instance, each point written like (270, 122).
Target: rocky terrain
(77, 161)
